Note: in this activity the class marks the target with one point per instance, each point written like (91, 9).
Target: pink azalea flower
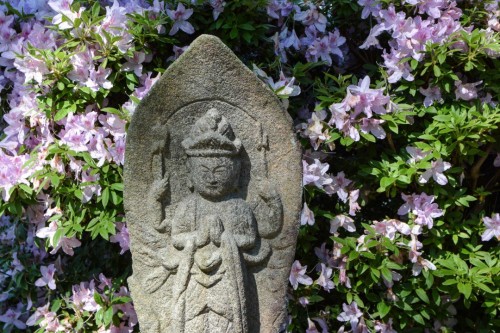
(134, 64)
(147, 82)
(67, 245)
(90, 189)
(105, 282)
(289, 40)
(11, 318)
(422, 206)
(372, 39)
(324, 255)
(39, 313)
(325, 278)
(416, 154)
(121, 237)
(218, 8)
(395, 277)
(115, 20)
(278, 9)
(316, 173)
(311, 328)
(351, 314)
(426, 213)
(370, 7)
(13, 172)
(47, 278)
(373, 126)
(384, 327)
(33, 68)
(306, 216)
(369, 100)
(48, 232)
(298, 275)
(98, 79)
(339, 185)
(180, 16)
(436, 171)
(127, 309)
(303, 301)
(492, 227)
(177, 52)
(314, 129)
(343, 221)
(422, 264)
(431, 94)
(385, 228)
(466, 91)
(496, 162)
(81, 62)
(83, 297)
(65, 16)
(312, 17)
(319, 50)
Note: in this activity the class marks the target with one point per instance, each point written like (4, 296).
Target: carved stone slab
(212, 197)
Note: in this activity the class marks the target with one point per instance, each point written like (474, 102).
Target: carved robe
(209, 288)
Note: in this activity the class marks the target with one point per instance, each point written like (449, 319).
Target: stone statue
(212, 236)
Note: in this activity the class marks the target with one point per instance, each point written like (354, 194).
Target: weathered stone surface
(212, 198)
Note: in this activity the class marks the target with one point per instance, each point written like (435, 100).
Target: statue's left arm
(245, 229)
(268, 210)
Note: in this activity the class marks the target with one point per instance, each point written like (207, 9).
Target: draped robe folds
(209, 287)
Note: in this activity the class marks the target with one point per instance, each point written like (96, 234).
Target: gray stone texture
(212, 197)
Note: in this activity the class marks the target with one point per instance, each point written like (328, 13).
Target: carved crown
(212, 135)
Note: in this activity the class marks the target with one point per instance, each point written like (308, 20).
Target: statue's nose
(212, 179)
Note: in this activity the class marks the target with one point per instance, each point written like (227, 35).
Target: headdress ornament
(212, 135)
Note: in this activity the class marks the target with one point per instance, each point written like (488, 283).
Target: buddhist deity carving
(212, 220)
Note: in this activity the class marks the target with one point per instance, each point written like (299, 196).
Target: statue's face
(214, 177)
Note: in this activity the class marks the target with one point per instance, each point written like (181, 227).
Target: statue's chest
(227, 213)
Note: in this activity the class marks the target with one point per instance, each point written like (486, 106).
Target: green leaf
(56, 305)
(234, 33)
(121, 300)
(442, 58)
(108, 316)
(437, 71)
(368, 255)
(61, 114)
(386, 182)
(117, 187)
(386, 274)
(98, 299)
(105, 197)
(484, 287)
(422, 295)
(419, 319)
(246, 26)
(383, 309)
(449, 282)
(465, 289)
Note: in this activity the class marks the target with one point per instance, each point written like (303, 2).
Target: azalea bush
(395, 104)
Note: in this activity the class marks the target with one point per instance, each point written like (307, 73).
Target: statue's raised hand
(159, 188)
(267, 190)
(216, 230)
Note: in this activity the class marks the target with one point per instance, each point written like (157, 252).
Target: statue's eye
(220, 170)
